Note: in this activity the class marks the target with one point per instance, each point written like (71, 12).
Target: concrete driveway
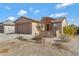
(4, 37)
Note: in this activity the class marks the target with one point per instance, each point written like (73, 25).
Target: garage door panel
(1, 29)
(23, 28)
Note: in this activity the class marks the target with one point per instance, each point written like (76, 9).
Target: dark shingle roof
(7, 22)
(27, 19)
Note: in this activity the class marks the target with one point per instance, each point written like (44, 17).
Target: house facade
(7, 27)
(54, 26)
(24, 25)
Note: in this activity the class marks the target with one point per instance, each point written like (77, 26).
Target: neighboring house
(7, 27)
(24, 25)
(54, 26)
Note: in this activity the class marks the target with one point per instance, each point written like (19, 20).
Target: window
(55, 25)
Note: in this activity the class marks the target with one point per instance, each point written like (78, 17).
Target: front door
(47, 27)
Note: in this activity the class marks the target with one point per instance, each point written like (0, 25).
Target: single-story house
(7, 27)
(25, 25)
(54, 26)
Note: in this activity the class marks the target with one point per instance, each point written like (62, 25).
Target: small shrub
(78, 30)
(57, 43)
(65, 38)
(60, 45)
(37, 38)
(70, 30)
(21, 38)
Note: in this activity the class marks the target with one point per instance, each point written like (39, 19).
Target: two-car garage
(23, 26)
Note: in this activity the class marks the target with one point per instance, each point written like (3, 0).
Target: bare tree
(40, 28)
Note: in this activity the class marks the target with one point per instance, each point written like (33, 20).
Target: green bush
(77, 30)
(70, 30)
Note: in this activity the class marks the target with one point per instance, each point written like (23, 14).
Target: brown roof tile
(55, 19)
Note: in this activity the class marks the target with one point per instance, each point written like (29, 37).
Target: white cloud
(11, 18)
(72, 20)
(58, 14)
(7, 7)
(63, 5)
(22, 12)
(36, 11)
(51, 15)
(30, 9)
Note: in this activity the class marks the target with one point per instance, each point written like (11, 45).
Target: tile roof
(48, 18)
(55, 19)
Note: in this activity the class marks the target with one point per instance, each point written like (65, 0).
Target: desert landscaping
(10, 45)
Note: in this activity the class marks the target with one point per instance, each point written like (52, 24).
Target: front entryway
(47, 27)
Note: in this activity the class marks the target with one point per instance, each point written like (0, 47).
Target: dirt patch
(3, 50)
(11, 42)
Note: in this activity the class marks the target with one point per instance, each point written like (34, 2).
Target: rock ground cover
(15, 47)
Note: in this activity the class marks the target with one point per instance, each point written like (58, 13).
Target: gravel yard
(10, 46)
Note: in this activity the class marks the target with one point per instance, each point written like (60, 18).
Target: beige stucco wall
(57, 33)
(64, 23)
(34, 28)
(9, 29)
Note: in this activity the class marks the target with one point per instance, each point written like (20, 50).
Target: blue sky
(36, 11)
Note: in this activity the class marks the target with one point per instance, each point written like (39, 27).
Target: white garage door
(9, 29)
